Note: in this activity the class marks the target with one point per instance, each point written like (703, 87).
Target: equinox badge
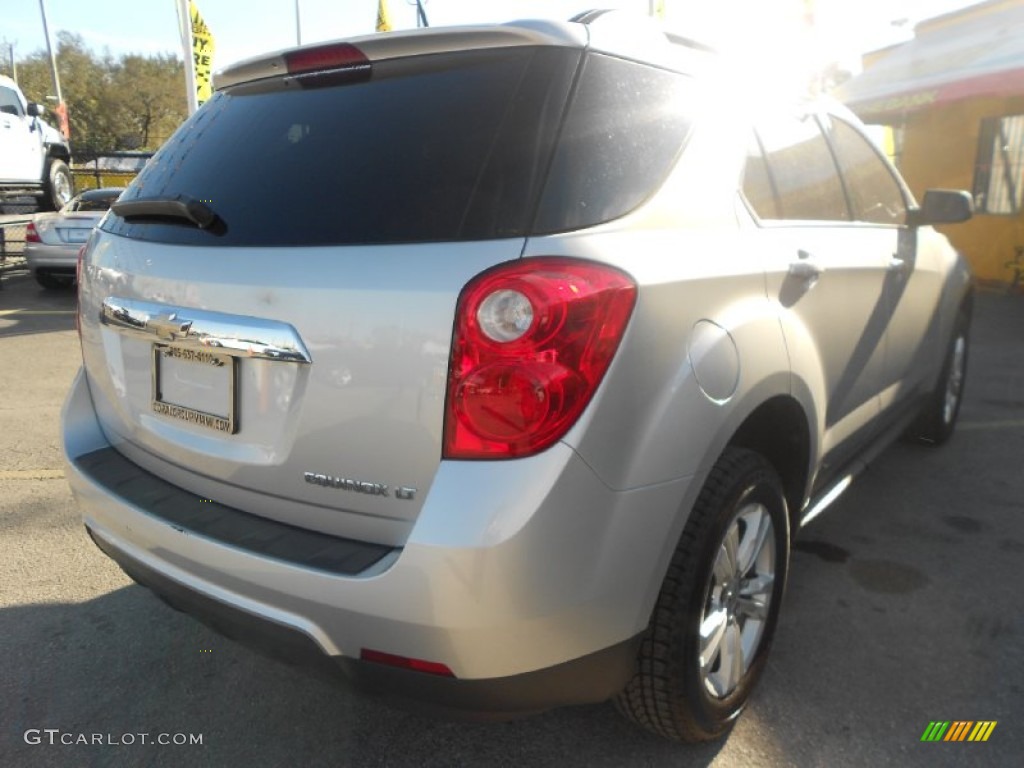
(359, 486)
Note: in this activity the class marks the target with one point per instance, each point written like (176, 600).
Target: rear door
(827, 273)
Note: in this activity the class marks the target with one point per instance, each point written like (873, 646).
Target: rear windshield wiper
(181, 207)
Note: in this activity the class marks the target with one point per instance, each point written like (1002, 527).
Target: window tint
(626, 126)
(875, 195)
(802, 171)
(429, 148)
(9, 102)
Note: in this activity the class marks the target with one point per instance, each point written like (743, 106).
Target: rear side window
(802, 172)
(875, 195)
(433, 148)
(626, 126)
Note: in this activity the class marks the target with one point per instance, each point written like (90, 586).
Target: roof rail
(598, 14)
(588, 17)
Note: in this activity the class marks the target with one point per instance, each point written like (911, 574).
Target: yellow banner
(659, 9)
(202, 54)
(383, 17)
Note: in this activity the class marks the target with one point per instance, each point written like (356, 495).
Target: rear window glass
(625, 128)
(439, 148)
(94, 203)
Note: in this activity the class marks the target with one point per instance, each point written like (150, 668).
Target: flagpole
(298, 25)
(185, 32)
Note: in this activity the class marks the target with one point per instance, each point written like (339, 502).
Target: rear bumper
(595, 677)
(533, 602)
(54, 258)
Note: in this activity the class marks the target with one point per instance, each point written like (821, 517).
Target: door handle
(805, 268)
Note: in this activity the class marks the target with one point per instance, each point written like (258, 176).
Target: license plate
(195, 386)
(77, 235)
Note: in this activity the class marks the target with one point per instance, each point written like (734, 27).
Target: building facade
(954, 99)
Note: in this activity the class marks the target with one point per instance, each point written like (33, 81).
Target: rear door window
(757, 183)
(802, 172)
(444, 147)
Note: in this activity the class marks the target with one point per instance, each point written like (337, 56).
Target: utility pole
(421, 16)
(14, 66)
(298, 25)
(62, 109)
(49, 48)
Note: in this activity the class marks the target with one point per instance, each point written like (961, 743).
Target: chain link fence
(12, 246)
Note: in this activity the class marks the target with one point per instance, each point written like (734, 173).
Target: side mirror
(942, 206)
(35, 110)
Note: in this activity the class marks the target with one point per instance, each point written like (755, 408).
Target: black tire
(59, 186)
(669, 693)
(52, 282)
(937, 421)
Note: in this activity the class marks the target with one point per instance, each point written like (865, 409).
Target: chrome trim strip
(235, 335)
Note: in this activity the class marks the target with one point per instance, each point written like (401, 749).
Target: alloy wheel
(739, 597)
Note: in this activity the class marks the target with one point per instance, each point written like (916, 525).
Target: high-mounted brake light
(533, 339)
(324, 58)
(31, 233)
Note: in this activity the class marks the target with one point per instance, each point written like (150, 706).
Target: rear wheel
(938, 419)
(59, 187)
(716, 613)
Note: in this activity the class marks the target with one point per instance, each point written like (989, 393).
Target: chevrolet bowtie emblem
(169, 326)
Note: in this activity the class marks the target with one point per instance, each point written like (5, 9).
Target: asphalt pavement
(903, 608)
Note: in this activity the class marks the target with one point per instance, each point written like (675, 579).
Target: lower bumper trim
(589, 679)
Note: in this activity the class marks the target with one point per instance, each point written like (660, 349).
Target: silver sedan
(52, 240)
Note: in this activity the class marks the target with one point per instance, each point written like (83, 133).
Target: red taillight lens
(404, 662)
(533, 339)
(31, 234)
(324, 57)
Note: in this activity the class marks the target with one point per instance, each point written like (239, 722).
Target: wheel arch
(778, 430)
(58, 152)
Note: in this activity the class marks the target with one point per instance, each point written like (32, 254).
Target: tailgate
(308, 390)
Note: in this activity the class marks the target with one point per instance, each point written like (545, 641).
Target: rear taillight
(533, 339)
(31, 234)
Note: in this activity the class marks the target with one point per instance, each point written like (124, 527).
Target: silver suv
(497, 367)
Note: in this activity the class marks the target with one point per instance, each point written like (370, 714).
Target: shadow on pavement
(26, 308)
(124, 663)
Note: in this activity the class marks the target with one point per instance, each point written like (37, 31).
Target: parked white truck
(34, 156)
